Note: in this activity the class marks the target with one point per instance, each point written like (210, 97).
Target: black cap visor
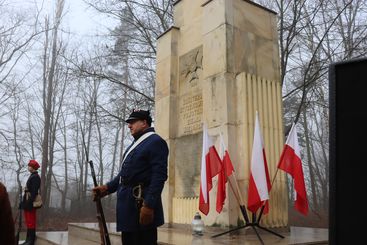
(132, 119)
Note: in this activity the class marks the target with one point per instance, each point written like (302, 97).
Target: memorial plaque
(191, 99)
(191, 112)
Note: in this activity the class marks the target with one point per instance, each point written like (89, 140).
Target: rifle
(19, 217)
(105, 238)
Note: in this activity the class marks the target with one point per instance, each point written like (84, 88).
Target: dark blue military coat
(146, 164)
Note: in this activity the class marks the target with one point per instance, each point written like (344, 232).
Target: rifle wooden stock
(105, 238)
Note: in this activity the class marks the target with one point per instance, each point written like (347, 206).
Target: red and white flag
(227, 171)
(290, 161)
(210, 167)
(259, 185)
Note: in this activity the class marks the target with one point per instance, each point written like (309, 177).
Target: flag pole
(263, 206)
(275, 175)
(235, 189)
(238, 196)
(254, 223)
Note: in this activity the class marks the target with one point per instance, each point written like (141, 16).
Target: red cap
(34, 164)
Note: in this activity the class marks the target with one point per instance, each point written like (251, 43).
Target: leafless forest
(54, 94)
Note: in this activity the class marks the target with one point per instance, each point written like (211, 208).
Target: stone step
(90, 232)
(60, 238)
(52, 238)
(80, 234)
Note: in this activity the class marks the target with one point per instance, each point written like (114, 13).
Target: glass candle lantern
(197, 225)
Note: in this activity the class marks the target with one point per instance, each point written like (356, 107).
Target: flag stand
(234, 186)
(254, 224)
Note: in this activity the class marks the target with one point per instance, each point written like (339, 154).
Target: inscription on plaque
(191, 112)
(190, 107)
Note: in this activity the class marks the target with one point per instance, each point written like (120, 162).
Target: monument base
(178, 234)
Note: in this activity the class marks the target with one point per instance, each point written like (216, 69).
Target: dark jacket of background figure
(147, 164)
(33, 185)
(7, 230)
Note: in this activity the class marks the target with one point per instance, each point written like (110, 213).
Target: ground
(59, 221)
(313, 219)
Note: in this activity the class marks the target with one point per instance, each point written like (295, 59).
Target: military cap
(139, 115)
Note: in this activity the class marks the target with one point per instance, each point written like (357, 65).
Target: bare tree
(15, 108)
(15, 38)
(48, 78)
(141, 24)
(313, 34)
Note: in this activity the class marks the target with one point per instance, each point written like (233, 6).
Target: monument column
(165, 107)
(222, 67)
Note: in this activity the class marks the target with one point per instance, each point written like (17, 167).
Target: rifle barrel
(103, 231)
(105, 238)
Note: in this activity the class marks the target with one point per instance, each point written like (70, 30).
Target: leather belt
(126, 183)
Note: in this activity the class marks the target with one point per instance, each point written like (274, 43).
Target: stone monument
(219, 64)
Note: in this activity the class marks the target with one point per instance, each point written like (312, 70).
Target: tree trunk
(66, 183)
(309, 161)
(47, 103)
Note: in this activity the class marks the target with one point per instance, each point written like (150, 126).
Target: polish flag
(290, 162)
(210, 167)
(227, 171)
(259, 185)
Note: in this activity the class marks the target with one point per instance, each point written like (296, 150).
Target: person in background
(30, 193)
(7, 230)
(139, 183)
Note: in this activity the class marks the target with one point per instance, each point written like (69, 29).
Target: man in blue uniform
(139, 183)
